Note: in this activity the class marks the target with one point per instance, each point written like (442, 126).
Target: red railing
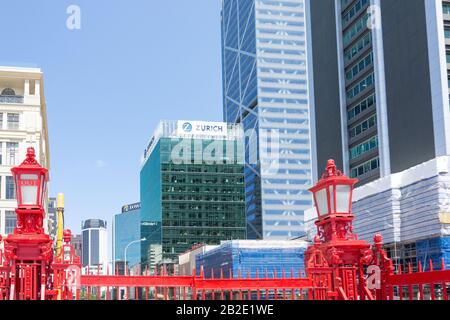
(165, 287)
(422, 285)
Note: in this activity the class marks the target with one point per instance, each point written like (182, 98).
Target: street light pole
(125, 254)
(125, 259)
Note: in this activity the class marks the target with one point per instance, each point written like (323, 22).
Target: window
(1, 153)
(365, 168)
(8, 92)
(364, 147)
(363, 126)
(361, 86)
(358, 47)
(353, 11)
(358, 67)
(447, 32)
(13, 121)
(446, 8)
(12, 150)
(10, 221)
(355, 29)
(361, 107)
(10, 190)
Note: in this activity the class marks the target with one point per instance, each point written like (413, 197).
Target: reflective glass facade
(265, 84)
(196, 200)
(358, 62)
(127, 228)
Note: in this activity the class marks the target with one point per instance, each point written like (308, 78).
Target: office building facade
(126, 230)
(52, 218)
(23, 124)
(95, 243)
(266, 88)
(77, 244)
(380, 88)
(192, 187)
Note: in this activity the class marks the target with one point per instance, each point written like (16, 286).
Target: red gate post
(29, 247)
(337, 255)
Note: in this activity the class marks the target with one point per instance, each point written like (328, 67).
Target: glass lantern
(333, 193)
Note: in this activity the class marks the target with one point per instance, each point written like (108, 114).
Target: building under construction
(411, 210)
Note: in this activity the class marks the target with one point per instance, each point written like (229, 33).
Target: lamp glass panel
(331, 189)
(29, 192)
(322, 202)
(342, 198)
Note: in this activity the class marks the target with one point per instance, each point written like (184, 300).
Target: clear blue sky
(108, 84)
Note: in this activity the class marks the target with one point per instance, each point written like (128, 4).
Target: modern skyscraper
(381, 71)
(192, 188)
(265, 88)
(77, 244)
(95, 244)
(23, 124)
(126, 230)
(52, 217)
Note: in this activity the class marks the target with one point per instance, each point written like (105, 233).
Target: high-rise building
(265, 88)
(95, 244)
(192, 188)
(52, 217)
(126, 230)
(77, 244)
(23, 124)
(381, 71)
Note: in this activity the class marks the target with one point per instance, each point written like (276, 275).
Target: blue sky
(108, 84)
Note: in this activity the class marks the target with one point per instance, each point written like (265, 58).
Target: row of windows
(344, 3)
(12, 152)
(361, 86)
(283, 91)
(362, 106)
(279, 13)
(447, 32)
(446, 7)
(278, 3)
(202, 197)
(202, 180)
(365, 168)
(267, 22)
(363, 126)
(353, 11)
(358, 47)
(12, 120)
(364, 147)
(10, 221)
(360, 66)
(355, 29)
(283, 61)
(262, 32)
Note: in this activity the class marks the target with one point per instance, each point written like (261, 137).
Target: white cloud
(100, 164)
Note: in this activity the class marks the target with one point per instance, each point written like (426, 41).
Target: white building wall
(29, 104)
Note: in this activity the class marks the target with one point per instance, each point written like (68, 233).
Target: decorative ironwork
(11, 99)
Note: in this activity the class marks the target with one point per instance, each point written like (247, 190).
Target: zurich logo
(187, 127)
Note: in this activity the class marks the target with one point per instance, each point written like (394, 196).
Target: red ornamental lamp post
(337, 256)
(29, 250)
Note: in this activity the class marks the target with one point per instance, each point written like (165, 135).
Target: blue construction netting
(232, 257)
(434, 249)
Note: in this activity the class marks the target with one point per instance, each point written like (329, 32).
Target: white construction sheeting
(405, 206)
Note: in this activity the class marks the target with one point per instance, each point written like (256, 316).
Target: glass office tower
(265, 88)
(127, 229)
(192, 188)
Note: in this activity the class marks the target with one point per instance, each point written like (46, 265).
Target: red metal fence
(429, 285)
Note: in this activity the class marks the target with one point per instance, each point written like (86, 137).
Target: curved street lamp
(125, 254)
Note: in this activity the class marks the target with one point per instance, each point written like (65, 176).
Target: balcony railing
(11, 99)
